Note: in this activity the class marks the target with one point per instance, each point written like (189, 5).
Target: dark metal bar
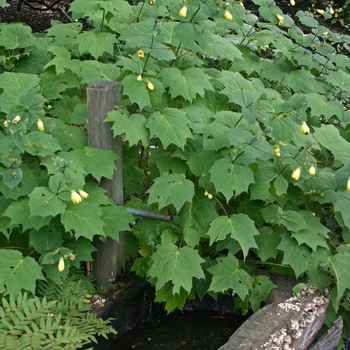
(149, 214)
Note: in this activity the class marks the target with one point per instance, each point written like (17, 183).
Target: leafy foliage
(55, 321)
(210, 120)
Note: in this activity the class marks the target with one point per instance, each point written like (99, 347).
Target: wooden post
(102, 97)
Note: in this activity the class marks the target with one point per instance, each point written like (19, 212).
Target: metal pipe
(149, 214)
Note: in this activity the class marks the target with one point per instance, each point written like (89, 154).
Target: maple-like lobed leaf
(238, 226)
(176, 265)
(171, 126)
(227, 275)
(172, 189)
(18, 272)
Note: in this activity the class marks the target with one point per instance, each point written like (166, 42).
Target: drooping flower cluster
(78, 197)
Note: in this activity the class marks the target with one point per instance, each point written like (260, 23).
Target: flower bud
(304, 128)
(61, 265)
(139, 77)
(83, 194)
(206, 193)
(331, 11)
(40, 125)
(16, 119)
(321, 12)
(276, 151)
(280, 20)
(296, 174)
(312, 170)
(75, 197)
(241, 4)
(152, 2)
(183, 12)
(210, 196)
(348, 184)
(228, 15)
(140, 53)
(6, 123)
(292, 3)
(150, 86)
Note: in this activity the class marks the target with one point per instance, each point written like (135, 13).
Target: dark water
(195, 330)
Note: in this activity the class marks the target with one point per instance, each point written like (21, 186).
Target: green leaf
(297, 256)
(84, 219)
(137, 91)
(97, 162)
(314, 235)
(116, 219)
(340, 79)
(230, 179)
(171, 126)
(172, 189)
(338, 264)
(69, 110)
(82, 249)
(132, 127)
(38, 143)
(172, 301)
(166, 161)
(196, 217)
(187, 83)
(15, 36)
(96, 43)
(228, 276)
(268, 241)
(12, 177)
(341, 204)
(18, 272)
(262, 288)
(19, 213)
(12, 83)
(290, 219)
(238, 226)
(43, 202)
(219, 47)
(177, 265)
(93, 71)
(300, 80)
(45, 240)
(329, 137)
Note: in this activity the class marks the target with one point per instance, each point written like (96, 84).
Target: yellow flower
(321, 12)
(61, 265)
(228, 15)
(139, 77)
(276, 151)
(292, 3)
(331, 11)
(280, 20)
(210, 196)
(348, 184)
(296, 174)
(183, 11)
(150, 86)
(304, 128)
(16, 119)
(206, 193)
(83, 194)
(312, 170)
(241, 4)
(6, 123)
(151, 2)
(40, 125)
(75, 197)
(140, 53)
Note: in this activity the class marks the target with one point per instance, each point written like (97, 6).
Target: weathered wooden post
(109, 260)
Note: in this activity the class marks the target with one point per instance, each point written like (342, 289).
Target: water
(188, 330)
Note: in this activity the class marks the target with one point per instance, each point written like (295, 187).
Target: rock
(292, 324)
